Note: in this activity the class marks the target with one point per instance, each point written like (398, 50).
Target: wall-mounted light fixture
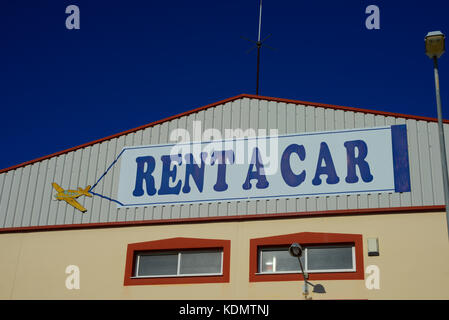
(296, 250)
(373, 247)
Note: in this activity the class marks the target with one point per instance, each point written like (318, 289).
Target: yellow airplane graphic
(69, 196)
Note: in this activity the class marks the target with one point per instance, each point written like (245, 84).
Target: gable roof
(240, 96)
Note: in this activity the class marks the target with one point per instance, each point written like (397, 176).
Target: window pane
(278, 260)
(200, 262)
(158, 264)
(328, 258)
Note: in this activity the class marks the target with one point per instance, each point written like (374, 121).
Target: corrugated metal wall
(27, 195)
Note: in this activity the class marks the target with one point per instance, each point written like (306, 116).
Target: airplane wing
(75, 203)
(57, 188)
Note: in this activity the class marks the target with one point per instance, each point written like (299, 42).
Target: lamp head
(434, 44)
(295, 250)
(318, 288)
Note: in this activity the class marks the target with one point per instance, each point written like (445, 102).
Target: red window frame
(177, 244)
(307, 238)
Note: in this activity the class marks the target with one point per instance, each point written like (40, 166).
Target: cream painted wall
(412, 246)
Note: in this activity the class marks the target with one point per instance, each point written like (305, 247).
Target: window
(314, 259)
(326, 256)
(272, 260)
(182, 263)
(330, 258)
(177, 260)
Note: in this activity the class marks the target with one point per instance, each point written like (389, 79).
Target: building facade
(361, 191)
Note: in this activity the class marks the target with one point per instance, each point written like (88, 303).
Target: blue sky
(134, 62)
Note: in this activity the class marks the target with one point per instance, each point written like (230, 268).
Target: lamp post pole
(434, 42)
(306, 279)
(442, 142)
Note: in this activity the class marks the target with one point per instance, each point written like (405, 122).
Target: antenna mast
(258, 45)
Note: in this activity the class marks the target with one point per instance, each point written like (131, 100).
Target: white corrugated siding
(26, 194)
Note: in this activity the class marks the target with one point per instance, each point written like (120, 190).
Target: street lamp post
(434, 49)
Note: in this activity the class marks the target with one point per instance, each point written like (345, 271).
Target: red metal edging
(250, 96)
(119, 134)
(234, 218)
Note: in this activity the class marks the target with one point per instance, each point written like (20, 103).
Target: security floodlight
(434, 44)
(295, 250)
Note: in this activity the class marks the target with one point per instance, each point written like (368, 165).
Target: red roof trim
(234, 218)
(337, 107)
(250, 96)
(120, 134)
